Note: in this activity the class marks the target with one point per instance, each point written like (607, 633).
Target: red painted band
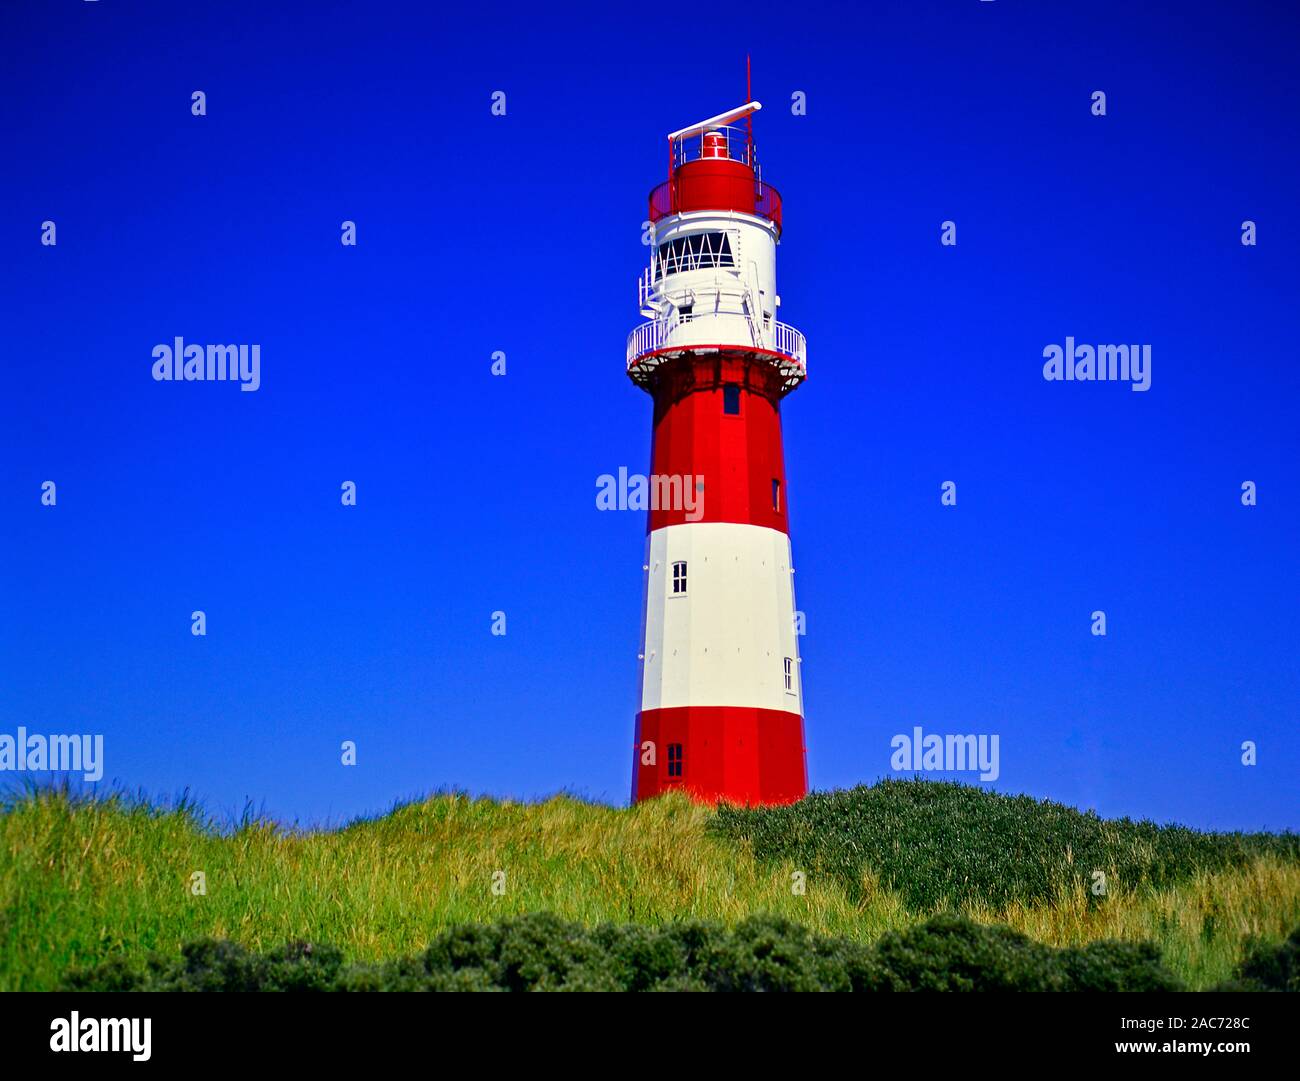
(738, 456)
(737, 754)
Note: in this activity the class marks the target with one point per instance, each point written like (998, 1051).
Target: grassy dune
(82, 882)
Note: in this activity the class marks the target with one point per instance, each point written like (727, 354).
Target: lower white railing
(776, 337)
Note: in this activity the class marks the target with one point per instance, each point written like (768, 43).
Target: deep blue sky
(522, 234)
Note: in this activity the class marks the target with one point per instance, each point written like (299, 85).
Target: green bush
(544, 953)
(1268, 968)
(941, 844)
(210, 965)
(952, 953)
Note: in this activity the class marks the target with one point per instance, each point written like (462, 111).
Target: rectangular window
(674, 760)
(694, 251)
(776, 495)
(679, 577)
(731, 399)
(789, 674)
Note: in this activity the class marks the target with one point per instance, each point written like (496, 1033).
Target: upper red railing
(713, 165)
(666, 199)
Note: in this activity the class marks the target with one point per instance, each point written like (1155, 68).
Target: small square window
(731, 399)
(679, 577)
(674, 760)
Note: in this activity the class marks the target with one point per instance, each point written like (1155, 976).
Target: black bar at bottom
(302, 1031)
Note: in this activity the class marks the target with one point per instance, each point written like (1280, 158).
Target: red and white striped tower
(721, 699)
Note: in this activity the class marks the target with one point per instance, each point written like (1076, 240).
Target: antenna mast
(749, 120)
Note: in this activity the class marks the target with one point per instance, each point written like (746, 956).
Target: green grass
(943, 844)
(86, 882)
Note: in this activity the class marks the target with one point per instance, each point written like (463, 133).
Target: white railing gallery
(776, 337)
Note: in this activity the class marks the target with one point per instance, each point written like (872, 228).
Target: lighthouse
(721, 710)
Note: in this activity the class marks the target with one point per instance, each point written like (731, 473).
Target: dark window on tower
(789, 674)
(679, 577)
(776, 495)
(731, 398)
(694, 251)
(674, 760)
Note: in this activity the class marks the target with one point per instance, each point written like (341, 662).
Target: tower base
(734, 754)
